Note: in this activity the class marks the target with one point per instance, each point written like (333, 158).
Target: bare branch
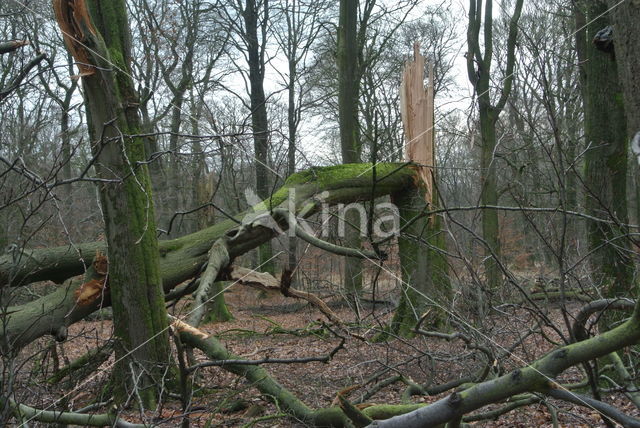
(21, 76)
(267, 360)
(6, 47)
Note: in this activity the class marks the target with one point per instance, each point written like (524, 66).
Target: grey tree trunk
(348, 97)
(626, 16)
(259, 120)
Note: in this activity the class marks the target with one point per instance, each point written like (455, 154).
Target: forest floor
(278, 327)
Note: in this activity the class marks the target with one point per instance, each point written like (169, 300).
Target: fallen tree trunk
(182, 258)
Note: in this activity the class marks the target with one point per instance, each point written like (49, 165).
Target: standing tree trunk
(348, 97)
(259, 121)
(134, 282)
(426, 284)
(626, 16)
(421, 245)
(605, 158)
(479, 71)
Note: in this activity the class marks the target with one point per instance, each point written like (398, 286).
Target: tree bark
(350, 144)
(134, 281)
(259, 120)
(626, 16)
(605, 161)
(424, 273)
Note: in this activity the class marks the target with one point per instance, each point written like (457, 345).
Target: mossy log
(182, 258)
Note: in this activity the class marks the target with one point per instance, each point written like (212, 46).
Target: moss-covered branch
(25, 412)
(262, 380)
(342, 184)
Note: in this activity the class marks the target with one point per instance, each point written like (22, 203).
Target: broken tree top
(416, 107)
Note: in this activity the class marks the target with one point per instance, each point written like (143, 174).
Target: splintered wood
(92, 290)
(76, 26)
(416, 107)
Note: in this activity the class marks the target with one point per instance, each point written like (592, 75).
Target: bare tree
(301, 23)
(479, 62)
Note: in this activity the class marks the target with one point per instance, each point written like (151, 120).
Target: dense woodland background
(139, 138)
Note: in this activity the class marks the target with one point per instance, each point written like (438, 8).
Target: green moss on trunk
(217, 310)
(182, 258)
(425, 278)
(135, 283)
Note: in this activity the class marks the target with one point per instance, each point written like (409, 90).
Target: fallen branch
(181, 259)
(494, 414)
(258, 376)
(93, 358)
(580, 332)
(356, 416)
(481, 374)
(218, 260)
(579, 325)
(590, 403)
(625, 378)
(324, 245)
(265, 281)
(267, 360)
(23, 412)
(261, 380)
(556, 295)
